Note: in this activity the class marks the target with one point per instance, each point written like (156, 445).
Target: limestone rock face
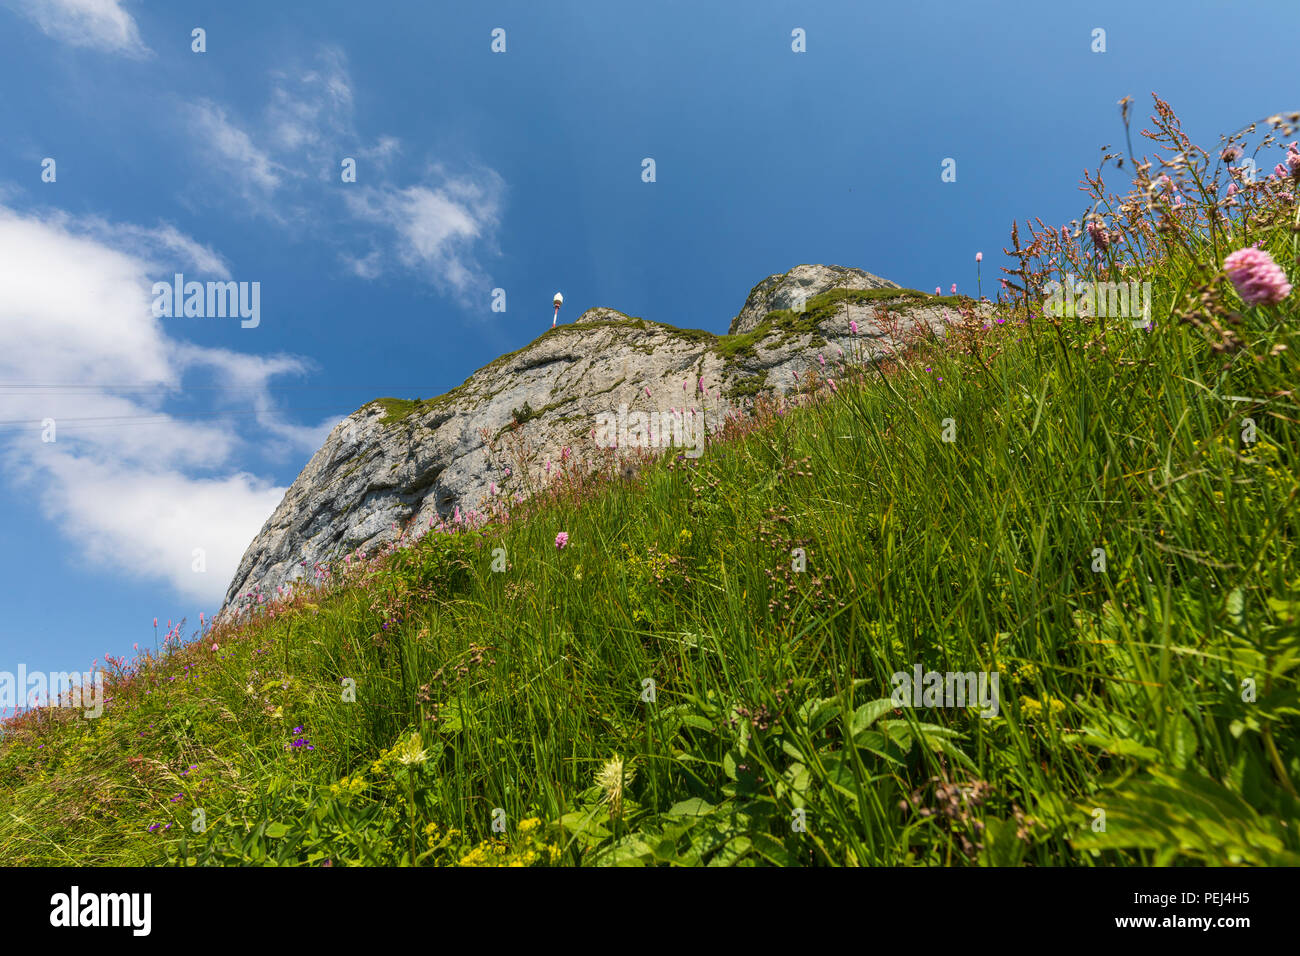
(781, 291)
(394, 465)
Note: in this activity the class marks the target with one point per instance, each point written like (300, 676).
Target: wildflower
(1098, 234)
(1293, 159)
(1231, 154)
(613, 778)
(821, 360)
(832, 381)
(1280, 171)
(979, 257)
(1257, 278)
(954, 288)
(853, 327)
(938, 290)
(561, 540)
(216, 647)
(410, 751)
(647, 391)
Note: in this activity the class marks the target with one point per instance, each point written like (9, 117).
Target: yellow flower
(1033, 709)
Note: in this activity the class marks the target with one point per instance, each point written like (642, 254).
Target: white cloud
(149, 523)
(438, 228)
(135, 486)
(249, 169)
(97, 24)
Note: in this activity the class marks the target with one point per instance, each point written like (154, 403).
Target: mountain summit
(410, 464)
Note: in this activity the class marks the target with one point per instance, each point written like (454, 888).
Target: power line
(191, 388)
(163, 418)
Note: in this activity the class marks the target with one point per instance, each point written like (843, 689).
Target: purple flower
(1258, 279)
(561, 540)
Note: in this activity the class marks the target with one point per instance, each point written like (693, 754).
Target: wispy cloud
(248, 169)
(135, 486)
(438, 225)
(96, 24)
(436, 230)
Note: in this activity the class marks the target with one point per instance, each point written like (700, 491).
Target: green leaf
(868, 714)
(694, 807)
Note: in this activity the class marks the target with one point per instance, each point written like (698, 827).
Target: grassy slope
(1121, 690)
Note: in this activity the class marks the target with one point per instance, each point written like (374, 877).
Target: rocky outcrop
(397, 464)
(785, 290)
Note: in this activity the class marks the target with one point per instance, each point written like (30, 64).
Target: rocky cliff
(396, 464)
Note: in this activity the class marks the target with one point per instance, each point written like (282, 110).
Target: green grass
(1148, 708)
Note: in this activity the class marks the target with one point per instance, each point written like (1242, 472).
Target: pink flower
(647, 391)
(1280, 171)
(701, 383)
(155, 622)
(1258, 279)
(1232, 189)
(561, 539)
(492, 488)
(954, 289)
(938, 290)
(853, 327)
(979, 257)
(821, 361)
(1293, 159)
(216, 646)
(1098, 234)
(455, 518)
(832, 381)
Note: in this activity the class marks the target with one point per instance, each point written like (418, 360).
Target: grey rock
(391, 467)
(782, 290)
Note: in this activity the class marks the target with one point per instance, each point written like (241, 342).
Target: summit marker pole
(559, 300)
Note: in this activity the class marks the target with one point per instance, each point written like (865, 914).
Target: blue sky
(477, 170)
